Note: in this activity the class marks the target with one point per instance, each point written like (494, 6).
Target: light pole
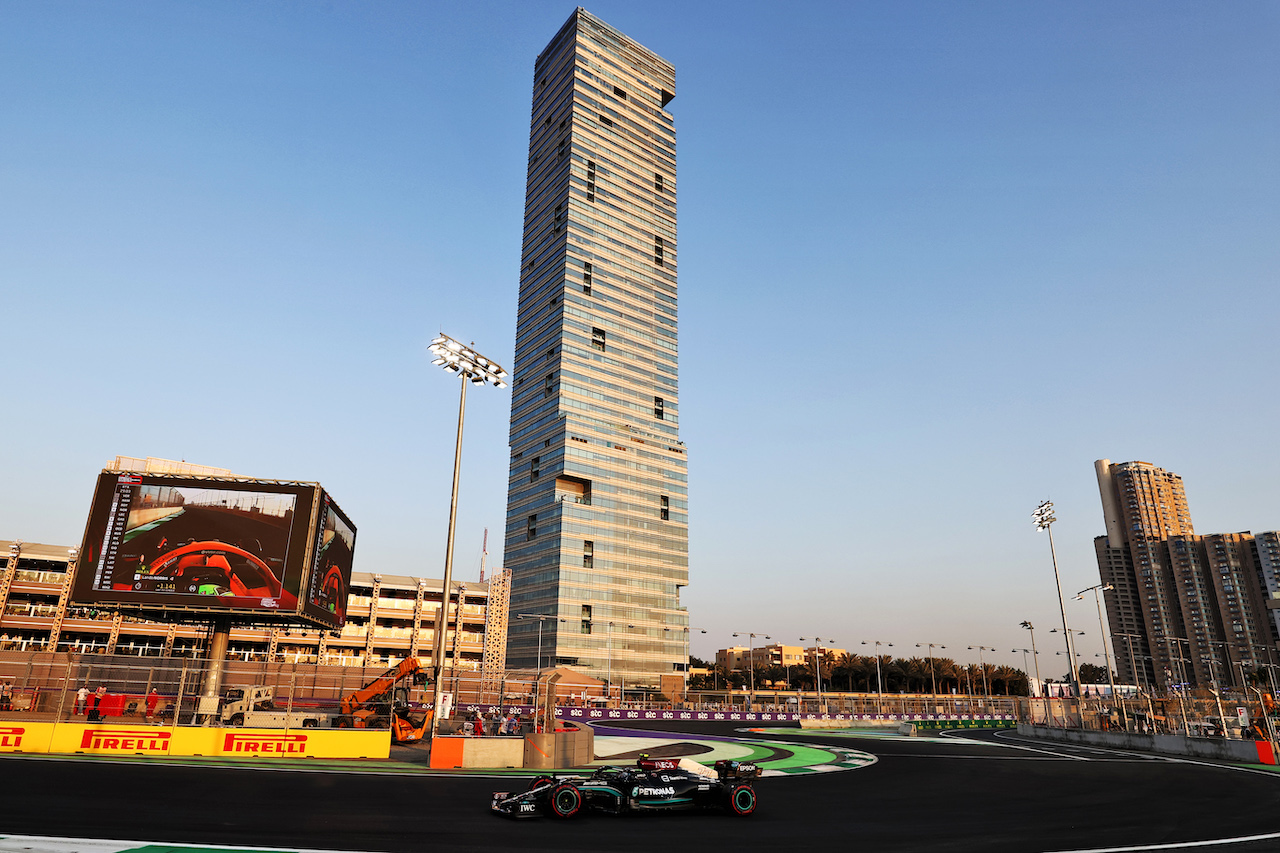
(879, 683)
(1072, 664)
(751, 658)
(986, 690)
(1035, 655)
(1044, 519)
(932, 674)
(1176, 656)
(610, 647)
(817, 664)
(540, 619)
(687, 631)
(1102, 630)
(472, 367)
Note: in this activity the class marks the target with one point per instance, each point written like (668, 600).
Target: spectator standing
(153, 699)
(82, 695)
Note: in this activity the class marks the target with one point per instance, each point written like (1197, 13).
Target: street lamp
(610, 647)
(986, 691)
(879, 684)
(817, 664)
(540, 619)
(932, 674)
(751, 658)
(1035, 655)
(1102, 629)
(1044, 519)
(1072, 664)
(472, 367)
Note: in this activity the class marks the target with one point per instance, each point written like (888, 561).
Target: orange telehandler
(1264, 710)
(381, 703)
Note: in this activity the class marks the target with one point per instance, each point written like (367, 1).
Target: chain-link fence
(66, 687)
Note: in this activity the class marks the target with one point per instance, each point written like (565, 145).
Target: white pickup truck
(254, 707)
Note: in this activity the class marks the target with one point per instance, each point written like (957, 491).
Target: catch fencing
(47, 686)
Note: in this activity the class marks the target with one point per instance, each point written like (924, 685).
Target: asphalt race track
(982, 791)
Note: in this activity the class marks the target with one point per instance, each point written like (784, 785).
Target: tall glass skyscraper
(597, 524)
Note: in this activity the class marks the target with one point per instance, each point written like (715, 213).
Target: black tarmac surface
(1003, 794)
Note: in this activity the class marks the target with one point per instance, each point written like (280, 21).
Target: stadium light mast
(474, 368)
(1044, 519)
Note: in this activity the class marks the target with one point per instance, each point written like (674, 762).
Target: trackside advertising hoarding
(159, 742)
(215, 545)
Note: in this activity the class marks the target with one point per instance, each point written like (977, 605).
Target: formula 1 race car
(653, 785)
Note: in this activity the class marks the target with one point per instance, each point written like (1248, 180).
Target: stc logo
(11, 736)
(125, 740)
(265, 744)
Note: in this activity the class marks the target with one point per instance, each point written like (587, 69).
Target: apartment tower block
(1184, 608)
(597, 529)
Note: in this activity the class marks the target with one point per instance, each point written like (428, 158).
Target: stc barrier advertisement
(101, 739)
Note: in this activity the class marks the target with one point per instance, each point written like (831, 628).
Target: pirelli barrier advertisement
(99, 739)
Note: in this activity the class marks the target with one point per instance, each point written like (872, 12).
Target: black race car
(652, 785)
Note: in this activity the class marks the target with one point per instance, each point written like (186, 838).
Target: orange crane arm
(380, 685)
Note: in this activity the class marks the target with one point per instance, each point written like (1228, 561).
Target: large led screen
(157, 542)
(330, 578)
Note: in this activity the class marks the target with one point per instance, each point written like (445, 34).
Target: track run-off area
(870, 791)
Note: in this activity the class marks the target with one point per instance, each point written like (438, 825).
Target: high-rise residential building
(1268, 545)
(597, 528)
(1184, 608)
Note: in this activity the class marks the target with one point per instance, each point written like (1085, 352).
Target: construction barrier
(159, 741)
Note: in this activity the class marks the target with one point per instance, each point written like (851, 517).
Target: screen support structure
(218, 643)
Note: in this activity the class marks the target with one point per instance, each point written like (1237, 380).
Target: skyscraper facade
(1184, 608)
(597, 526)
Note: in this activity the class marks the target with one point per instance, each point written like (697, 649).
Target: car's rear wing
(728, 769)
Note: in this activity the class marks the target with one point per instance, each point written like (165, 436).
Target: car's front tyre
(565, 801)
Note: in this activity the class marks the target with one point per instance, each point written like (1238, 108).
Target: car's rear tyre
(565, 800)
(742, 800)
(539, 781)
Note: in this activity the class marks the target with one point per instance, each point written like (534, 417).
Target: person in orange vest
(153, 699)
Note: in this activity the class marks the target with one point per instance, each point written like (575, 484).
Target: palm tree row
(857, 674)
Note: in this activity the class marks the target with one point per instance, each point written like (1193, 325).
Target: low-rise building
(389, 617)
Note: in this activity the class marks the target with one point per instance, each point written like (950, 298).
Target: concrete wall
(1220, 749)
(571, 746)
(493, 752)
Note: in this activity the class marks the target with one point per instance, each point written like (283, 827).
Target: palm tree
(1013, 680)
(947, 670)
(917, 669)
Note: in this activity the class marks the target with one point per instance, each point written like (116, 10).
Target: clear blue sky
(935, 258)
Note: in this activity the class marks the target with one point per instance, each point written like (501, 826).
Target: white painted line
(56, 844)
(1015, 746)
(1178, 845)
(1180, 759)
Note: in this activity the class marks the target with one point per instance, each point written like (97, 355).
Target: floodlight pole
(1044, 520)
(442, 618)
(470, 366)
